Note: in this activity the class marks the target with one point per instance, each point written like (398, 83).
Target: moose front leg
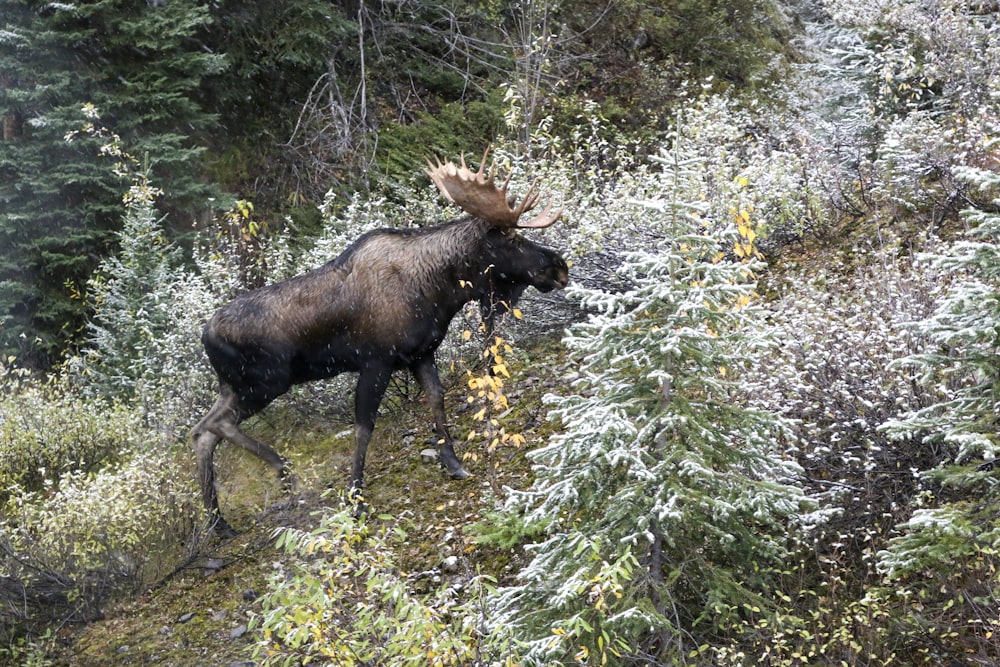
(372, 383)
(427, 375)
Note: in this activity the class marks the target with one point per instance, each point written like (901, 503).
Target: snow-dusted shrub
(926, 54)
(927, 72)
(888, 373)
(109, 512)
(729, 155)
(46, 434)
(831, 373)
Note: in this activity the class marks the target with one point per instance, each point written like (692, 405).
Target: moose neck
(457, 254)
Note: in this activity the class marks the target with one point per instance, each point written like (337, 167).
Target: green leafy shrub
(342, 600)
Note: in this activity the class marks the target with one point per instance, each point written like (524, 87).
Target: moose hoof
(290, 483)
(223, 529)
(359, 509)
(460, 474)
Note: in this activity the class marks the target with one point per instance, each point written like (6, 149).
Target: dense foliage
(344, 603)
(142, 69)
(280, 102)
(774, 432)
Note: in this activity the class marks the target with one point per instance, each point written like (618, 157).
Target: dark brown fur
(383, 305)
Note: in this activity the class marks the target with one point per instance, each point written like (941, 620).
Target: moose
(382, 305)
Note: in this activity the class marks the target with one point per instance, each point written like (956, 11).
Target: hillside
(199, 614)
(758, 427)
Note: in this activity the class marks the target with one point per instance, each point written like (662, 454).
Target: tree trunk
(11, 119)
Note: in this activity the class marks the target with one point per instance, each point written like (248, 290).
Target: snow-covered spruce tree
(126, 292)
(962, 359)
(663, 499)
(949, 551)
(142, 341)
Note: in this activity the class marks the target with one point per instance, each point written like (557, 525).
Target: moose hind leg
(204, 449)
(222, 422)
(427, 376)
(205, 441)
(231, 432)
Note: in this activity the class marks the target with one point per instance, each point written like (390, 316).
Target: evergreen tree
(664, 499)
(959, 369)
(140, 66)
(277, 52)
(143, 339)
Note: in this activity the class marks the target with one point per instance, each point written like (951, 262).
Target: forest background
(760, 427)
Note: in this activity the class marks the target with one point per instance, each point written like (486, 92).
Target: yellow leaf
(517, 313)
(466, 335)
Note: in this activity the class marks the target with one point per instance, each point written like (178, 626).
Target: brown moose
(384, 304)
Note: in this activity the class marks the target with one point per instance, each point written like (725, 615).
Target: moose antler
(476, 193)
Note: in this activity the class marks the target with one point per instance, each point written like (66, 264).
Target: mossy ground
(197, 616)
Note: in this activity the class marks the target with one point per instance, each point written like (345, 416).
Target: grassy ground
(198, 615)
